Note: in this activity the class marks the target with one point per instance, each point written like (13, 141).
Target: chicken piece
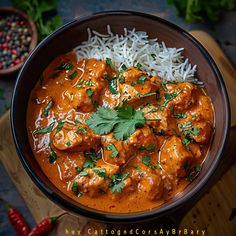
(195, 149)
(142, 137)
(85, 96)
(96, 180)
(179, 97)
(72, 137)
(116, 152)
(137, 88)
(163, 123)
(175, 159)
(119, 152)
(204, 132)
(67, 166)
(148, 180)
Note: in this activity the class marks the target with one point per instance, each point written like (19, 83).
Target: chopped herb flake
(89, 92)
(141, 79)
(47, 108)
(82, 130)
(117, 183)
(73, 75)
(45, 130)
(114, 152)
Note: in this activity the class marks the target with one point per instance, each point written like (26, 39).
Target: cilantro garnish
(123, 67)
(141, 79)
(123, 121)
(117, 183)
(169, 96)
(75, 189)
(65, 66)
(114, 152)
(138, 66)
(89, 92)
(47, 108)
(91, 158)
(180, 116)
(45, 130)
(73, 75)
(101, 173)
(82, 130)
(108, 62)
(147, 161)
(53, 156)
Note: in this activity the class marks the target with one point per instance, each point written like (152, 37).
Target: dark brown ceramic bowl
(5, 11)
(70, 36)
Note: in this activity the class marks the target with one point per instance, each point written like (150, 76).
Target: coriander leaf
(123, 67)
(127, 126)
(138, 66)
(73, 75)
(60, 125)
(65, 66)
(150, 147)
(75, 189)
(88, 164)
(81, 130)
(146, 160)
(170, 96)
(117, 183)
(108, 62)
(101, 173)
(89, 92)
(83, 173)
(141, 79)
(112, 147)
(180, 115)
(47, 108)
(45, 130)
(53, 156)
(102, 121)
(113, 86)
(89, 82)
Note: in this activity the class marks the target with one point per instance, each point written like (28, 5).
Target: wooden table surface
(224, 32)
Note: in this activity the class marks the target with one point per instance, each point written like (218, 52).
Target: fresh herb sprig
(37, 9)
(123, 121)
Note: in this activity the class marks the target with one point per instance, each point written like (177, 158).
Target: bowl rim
(34, 37)
(120, 217)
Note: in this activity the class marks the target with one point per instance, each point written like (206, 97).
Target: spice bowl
(18, 37)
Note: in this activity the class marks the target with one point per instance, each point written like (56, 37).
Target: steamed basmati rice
(135, 47)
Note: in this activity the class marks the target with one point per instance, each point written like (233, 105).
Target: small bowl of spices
(18, 37)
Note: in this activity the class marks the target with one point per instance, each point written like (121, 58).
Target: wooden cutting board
(211, 213)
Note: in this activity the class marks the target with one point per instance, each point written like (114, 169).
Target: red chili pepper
(18, 222)
(44, 226)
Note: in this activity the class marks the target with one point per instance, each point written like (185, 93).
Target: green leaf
(180, 116)
(101, 173)
(53, 156)
(108, 62)
(113, 86)
(89, 92)
(83, 173)
(141, 79)
(75, 189)
(117, 183)
(45, 130)
(82, 130)
(65, 66)
(73, 75)
(170, 96)
(112, 147)
(47, 108)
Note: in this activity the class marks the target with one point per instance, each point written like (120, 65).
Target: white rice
(135, 47)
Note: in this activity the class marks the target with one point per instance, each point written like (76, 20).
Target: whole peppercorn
(15, 39)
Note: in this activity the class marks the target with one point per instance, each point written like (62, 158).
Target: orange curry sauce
(142, 171)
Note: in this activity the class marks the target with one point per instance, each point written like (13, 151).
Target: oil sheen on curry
(117, 141)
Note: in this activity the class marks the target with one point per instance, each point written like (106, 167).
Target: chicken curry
(117, 140)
